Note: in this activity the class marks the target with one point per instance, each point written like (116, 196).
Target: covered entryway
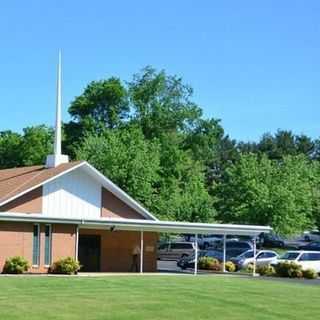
(120, 236)
(89, 252)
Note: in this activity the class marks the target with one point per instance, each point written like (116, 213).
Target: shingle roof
(18, 180)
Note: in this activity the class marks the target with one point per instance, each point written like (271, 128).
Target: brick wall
(30, 202)
(16, 240)
(117, 246)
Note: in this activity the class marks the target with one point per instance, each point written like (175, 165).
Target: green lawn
(156, 297)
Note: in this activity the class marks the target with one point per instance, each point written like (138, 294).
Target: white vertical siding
(73, 195)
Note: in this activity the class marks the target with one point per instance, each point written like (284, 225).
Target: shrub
(209, 263)
(16, 265)
(248, 268)
(230, 266)
(65, 266)
(266, 270)
(214, 265)
(203, 263)
(289, 269)
(309, 274)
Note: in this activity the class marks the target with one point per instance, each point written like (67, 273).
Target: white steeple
(57, 158)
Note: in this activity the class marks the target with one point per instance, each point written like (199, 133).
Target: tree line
(152, 139)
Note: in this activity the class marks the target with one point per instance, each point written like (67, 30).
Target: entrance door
(89, 252)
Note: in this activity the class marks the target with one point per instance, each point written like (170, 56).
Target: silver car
(263, 257)
(175, 250)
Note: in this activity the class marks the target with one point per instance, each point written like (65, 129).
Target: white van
(175, 250)
(306, 259)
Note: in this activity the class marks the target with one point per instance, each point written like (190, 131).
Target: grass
(155, 297)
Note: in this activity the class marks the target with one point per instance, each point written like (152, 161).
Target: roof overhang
(142, 225)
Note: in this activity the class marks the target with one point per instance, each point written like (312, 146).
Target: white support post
(77, 243)
(141, 251)
(254, 256)
(196, 254)
(224, 253)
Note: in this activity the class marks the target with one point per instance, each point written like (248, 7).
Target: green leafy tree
(126, 158)
(104, 101)
(183, 194)
(161, 103)
(28, 149)
(36, 144)
(10, 155)
(103, 104)
(258, 190)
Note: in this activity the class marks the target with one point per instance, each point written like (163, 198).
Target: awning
(142, 225)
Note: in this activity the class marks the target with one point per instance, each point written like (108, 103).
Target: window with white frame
(36, 245)
(47, 244)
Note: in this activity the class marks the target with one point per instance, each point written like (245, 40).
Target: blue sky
(253, 64)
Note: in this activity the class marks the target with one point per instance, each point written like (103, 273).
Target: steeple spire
(57, 137)
(57, 158)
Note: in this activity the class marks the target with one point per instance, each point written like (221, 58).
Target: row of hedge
(287, 270)
(209, 263)
(19, 265)
(283, 269)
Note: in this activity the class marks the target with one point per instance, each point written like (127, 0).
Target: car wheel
(307, 238)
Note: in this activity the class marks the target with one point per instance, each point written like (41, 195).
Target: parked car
(312, 236)
(263, 257)
(209, 240)
(307, 259)
(204, 240)
(175, 250)
(312, 246)
(237, 247)
(272, 240)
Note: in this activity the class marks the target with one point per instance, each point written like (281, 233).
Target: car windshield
(290, 256)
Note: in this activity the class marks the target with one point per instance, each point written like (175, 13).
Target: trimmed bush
(266, 271)
(16, 265)
(230, 266)
(289, 269)
(248, 268)
(209, 263)
(67, 265)
(215, 265)
(310, 274)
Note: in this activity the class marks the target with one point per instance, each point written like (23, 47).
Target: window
(266, 255)
(247, 255)
(290, 256)
(181, 246)
(47, 245)
(36, 245)
(310, 257)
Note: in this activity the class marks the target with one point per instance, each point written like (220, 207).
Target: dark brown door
(89, 253)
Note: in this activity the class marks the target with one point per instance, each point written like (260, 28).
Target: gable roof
(19, 181)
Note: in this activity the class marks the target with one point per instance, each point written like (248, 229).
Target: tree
(28, 149)
(258, 190)
(10, 143)
(103, 104)
(126, 158)
(161, 103)
(282, 143)
(104, 101)
(182, 190)
(36, 144)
